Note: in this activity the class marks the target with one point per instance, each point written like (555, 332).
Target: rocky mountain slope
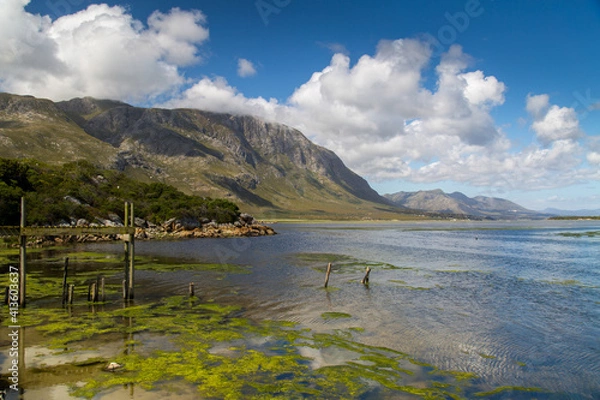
(268, 168)
(437, 201)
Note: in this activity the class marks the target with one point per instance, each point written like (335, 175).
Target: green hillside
(270, 170)
(78, 190)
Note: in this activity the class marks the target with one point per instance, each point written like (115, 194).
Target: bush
(81, 190)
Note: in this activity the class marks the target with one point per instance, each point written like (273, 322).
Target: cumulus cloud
(245, 68)
(552, 123)
(385, 124)
(380, 112)
(101, 51)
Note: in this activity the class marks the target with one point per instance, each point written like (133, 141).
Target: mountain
(457, 204)
(270, 169)
(572, 213)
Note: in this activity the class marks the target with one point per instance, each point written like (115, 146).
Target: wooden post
(191, 289)
(102, 295)
(365, 280)
(327, 275)
(93, 293)
(131, 255)
(65, 287)
(126, 281)
(70, 294)
(7, 295)
(22, 257)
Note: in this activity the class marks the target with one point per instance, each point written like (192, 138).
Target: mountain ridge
(457, 203)
(269, 167)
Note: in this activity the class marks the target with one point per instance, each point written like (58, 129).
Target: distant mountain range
(458, 204)
(573, 213)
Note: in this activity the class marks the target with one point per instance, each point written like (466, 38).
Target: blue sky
(497, 98)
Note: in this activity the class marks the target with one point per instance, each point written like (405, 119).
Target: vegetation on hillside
(56, 195)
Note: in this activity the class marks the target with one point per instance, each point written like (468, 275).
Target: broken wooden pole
(191, 289)
(70, 294)
(64, 286)
(365, 280)
(102, 295)
(93, 292)
(327, 275)
(124, 289)
(129, 222)
(22, 256)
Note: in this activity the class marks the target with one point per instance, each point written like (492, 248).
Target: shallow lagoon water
(516, 304)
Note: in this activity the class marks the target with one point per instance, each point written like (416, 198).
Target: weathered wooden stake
(70, 294)
(22, 257)
(327, 275)
(102, 295)
(131, 254)
(365, 280)
(129, 251)
(65, 287)
(124, 289)
(93, 293)
(191, 289)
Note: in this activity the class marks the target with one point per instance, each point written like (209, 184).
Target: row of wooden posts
(364, 281)
(127, 231)
(96, 289)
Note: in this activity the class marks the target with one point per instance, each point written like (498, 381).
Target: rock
(113, 366)
(82, 222)
(104, 222)
(140, 223)
(189, 223)
(73, 200)
(116, 219)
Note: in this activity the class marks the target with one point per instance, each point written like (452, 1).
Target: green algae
(212, 348)
(569, 282)
(204, 267)
(580, 234)
(503, 389)
(341, 263)
(223, 355)
(335, 315)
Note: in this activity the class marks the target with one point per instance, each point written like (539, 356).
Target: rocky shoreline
(245, 226)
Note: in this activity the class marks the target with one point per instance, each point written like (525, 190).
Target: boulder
(140, 223)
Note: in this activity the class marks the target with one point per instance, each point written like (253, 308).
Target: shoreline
(169, 232)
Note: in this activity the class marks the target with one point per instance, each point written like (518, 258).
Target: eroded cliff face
(258, 163)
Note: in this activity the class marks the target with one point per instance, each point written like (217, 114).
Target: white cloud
(537, 105)
(378, 113)
(386, 125)
(101, 51)
(593, 157)
(552, 123)
(245, 68)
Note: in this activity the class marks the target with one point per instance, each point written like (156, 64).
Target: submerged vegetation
(223, 355)
(206, 347)
(580, 234)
